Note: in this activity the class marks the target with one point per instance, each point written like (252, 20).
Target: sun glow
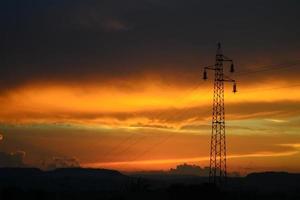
(101, 103)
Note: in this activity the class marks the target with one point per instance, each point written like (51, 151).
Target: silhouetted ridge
(67, 179)
(81, 183)
(85, 172)
(270, 174)
(278, 181)
(12, 172)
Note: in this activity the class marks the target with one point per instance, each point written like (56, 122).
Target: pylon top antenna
(219, 50)
(219, 45)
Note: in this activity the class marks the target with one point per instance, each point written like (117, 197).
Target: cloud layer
(126, 75)
(79, 41)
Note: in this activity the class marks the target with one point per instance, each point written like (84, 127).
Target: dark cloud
(60, 162)
(229, 127)
(187, 169)
(189, 118)
(140, 125)
(74, 40)
(12, 159)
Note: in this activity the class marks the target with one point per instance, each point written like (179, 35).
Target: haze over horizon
(118, 84)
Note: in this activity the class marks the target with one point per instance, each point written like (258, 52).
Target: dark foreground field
(30, 183)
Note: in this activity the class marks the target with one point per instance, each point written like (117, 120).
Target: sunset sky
(118, 84)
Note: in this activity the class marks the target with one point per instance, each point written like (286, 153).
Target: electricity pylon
(218, 171)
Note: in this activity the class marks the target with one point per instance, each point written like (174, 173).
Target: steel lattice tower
(218, 171)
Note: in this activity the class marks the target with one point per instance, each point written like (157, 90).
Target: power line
(126, 140)
(281, 66)
(115, 149)
(266, 68)
(163, 140)
(266, 89)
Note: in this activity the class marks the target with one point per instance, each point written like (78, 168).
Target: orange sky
(155, 126)
(118, 84)
(108, 103)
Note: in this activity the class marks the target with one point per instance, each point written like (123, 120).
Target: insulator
(232, 68)
(205, 75)
(234, 88)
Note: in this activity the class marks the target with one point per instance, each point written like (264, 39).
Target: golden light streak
(97, 103)
(186, 160)
(151, 110)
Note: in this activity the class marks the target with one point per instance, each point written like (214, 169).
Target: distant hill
(63, 179)
(279, 181)
(81, 183)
